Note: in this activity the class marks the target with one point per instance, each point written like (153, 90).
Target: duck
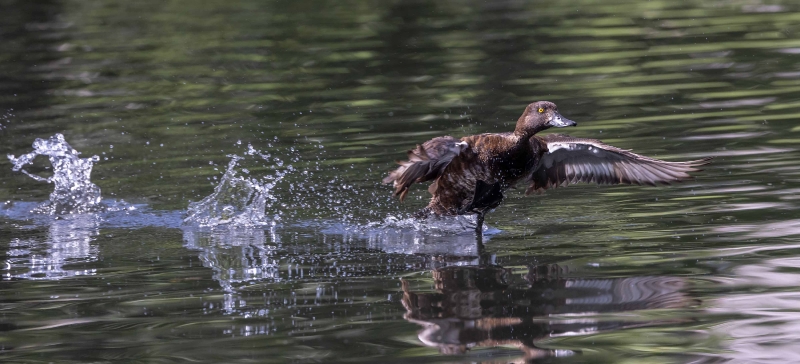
(470, 175)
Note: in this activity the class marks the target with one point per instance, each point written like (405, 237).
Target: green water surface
(163, 91)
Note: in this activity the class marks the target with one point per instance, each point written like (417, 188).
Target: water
(73, 190)
(237, 200)
(168, 96)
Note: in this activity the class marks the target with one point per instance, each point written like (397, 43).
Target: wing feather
(573, 160)
(426, 162)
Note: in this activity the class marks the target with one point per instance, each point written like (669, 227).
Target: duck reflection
(474, 302)
(488, 305)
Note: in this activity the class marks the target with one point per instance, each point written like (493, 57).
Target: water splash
(5, 118)
(433, 225)
(74, 193)
(248, 198)
(239, 199)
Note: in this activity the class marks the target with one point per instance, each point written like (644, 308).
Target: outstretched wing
(571, 160)
(425, 162)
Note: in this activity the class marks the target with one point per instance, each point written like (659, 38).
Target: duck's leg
(483, 258)
(479, 224)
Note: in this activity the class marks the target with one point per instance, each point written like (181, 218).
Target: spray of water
(73, 191)
(5, 118)
(239, 199)
(257, 199)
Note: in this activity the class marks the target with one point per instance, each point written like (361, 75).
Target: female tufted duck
(471, 174)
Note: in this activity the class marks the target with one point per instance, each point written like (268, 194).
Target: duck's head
(539, 116)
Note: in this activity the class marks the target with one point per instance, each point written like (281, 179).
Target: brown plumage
(471, 174)
(571, 160)
(425, 162)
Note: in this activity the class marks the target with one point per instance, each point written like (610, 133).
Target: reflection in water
(68, 241)
(763, 296)
(241, 257)
(237, 256)
(475, 302)
(777, 229)
(485, 305)
(435, 235)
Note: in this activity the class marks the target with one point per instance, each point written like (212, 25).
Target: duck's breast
(491, 158)
(506, 158)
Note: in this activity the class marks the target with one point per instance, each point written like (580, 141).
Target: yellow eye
(541, 110)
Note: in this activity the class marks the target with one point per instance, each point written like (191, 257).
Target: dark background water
(164, 91)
